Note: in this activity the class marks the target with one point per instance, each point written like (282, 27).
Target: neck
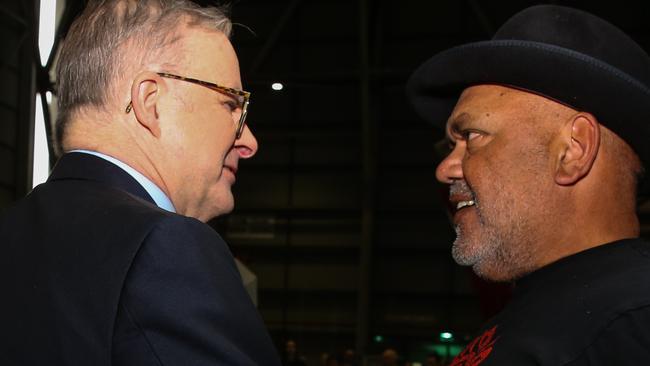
(119, 145)
(592, 222)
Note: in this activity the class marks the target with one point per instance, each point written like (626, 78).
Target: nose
(451, 168)
(246, 145)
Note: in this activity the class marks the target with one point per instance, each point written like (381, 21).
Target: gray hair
(94, 54)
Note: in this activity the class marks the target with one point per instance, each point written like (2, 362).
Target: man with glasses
(110, 262)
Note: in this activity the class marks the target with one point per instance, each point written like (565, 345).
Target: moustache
(460, 188)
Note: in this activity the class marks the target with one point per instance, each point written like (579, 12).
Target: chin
(491, 273)
(474, 255)
(218, 207)
(465, 251)
(497, 269)
(497, 274)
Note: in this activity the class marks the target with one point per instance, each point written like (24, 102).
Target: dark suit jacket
(92, 272)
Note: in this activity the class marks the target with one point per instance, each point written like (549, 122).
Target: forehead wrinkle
(213, 45)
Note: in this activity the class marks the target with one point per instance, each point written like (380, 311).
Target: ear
(580, 142)
(146, 91)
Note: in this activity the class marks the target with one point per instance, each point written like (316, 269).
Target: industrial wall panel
(407, 189)
(8, 91)
(271, 315)
(254, 229)
(265, 189)
(7, 167)
(332, 237)
(463, 279)
(402, 133)
(317, 309)
(325, 19)
(269, 275)
(316, 147)
(16, 96)
(12, 40)
(307, 277)
(8, 121)
(396, 318)
(408, 147)
(427, 230)
(269, 109)
(408, 53)
(329, 150)
(331, 230)
(403, 315)
(273, 150)
(328, 311)
(415, 22)
(6, 197)
(407, 313)
(251, 19)
(411, 274)
(323, 277)
(466, 316)
(331, 103)
(326, 190)
(326, 57)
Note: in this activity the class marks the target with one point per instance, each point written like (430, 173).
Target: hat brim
(619, 101)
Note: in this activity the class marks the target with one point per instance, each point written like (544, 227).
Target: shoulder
(185, 239)
(619, 280)
(174, 226)
(186, 254)
(183, 293)
(624, 341)
(596, 297)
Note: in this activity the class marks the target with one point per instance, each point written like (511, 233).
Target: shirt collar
(154, 191)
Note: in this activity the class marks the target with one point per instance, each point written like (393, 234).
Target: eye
(469, 135)
(472, 135)
(231, 105)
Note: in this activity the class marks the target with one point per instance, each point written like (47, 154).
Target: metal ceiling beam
(368, 179)
(273, 38)
(482, 18)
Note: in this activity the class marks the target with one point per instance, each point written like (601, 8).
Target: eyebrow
(456, 124)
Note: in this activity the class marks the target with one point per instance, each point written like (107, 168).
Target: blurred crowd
(348, 357)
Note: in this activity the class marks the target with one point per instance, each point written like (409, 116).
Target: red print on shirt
(477, 351)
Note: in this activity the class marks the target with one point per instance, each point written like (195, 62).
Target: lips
(229, 173)
(456, 204)
(463, 204)
(460, 196)
(232, 169)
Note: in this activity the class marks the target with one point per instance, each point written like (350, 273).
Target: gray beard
(503, 252)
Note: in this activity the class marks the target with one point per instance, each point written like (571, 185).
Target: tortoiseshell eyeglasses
(242, 98)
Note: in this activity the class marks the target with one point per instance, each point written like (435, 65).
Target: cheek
(214, 138)
(491, 174)
(481, 170)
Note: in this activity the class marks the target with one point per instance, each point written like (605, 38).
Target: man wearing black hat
(549, 136)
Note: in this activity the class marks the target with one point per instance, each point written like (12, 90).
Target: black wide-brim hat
(561, 53)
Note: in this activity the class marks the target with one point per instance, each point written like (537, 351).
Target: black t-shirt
(591, 308)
